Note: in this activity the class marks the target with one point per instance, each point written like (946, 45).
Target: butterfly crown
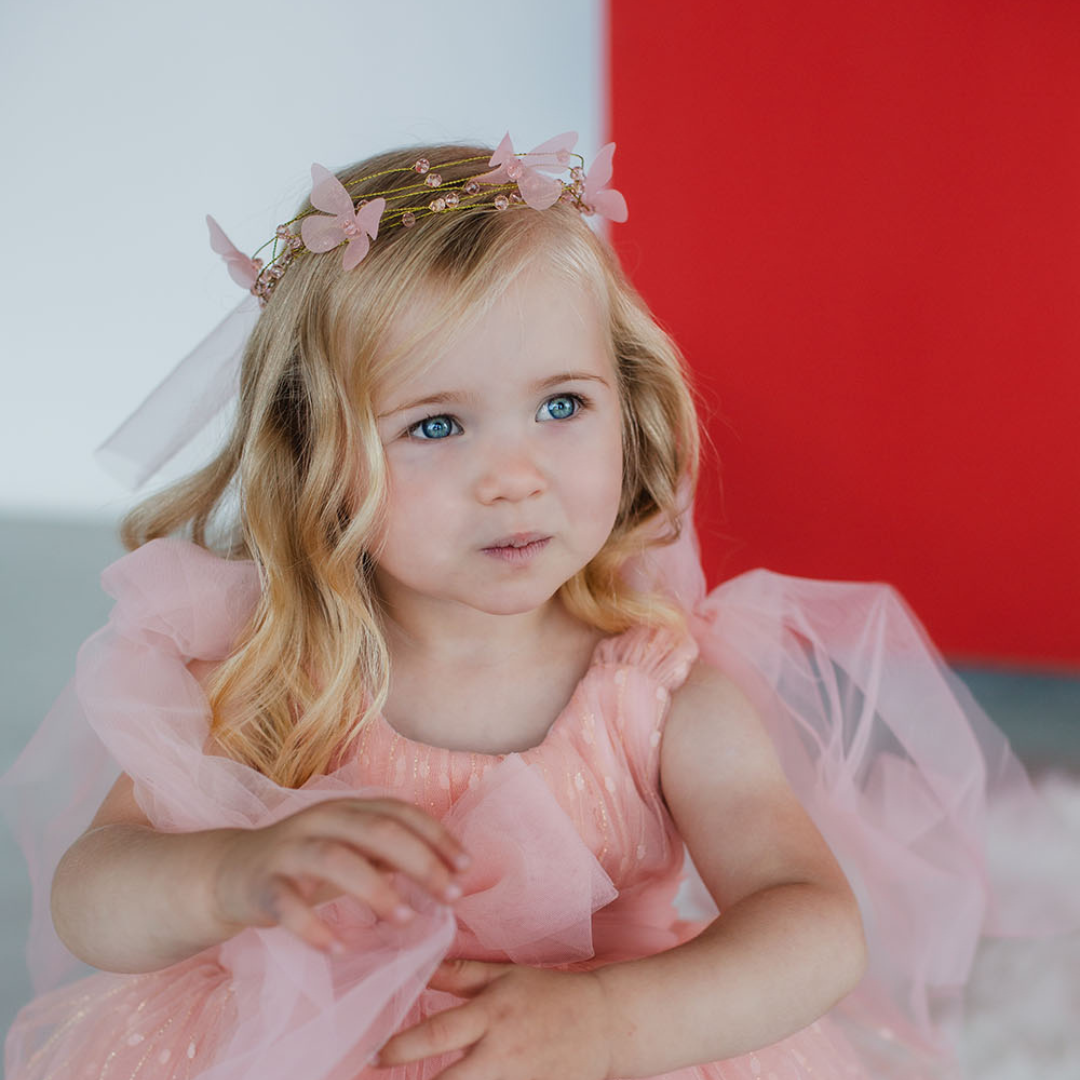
(529, 179)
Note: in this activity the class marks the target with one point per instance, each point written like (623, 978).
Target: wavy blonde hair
(312, 667)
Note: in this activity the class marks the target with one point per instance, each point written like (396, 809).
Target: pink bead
(408, 219)
(514, 169)
(516, 196)
(577, 173)
(452, 199)
(501, 202)
(282, 231)
(471, 187)
(422, 165)
(350, 228)
(258, 263)
(295, 242)
(433, 179)
(563, 156)
(437, 204)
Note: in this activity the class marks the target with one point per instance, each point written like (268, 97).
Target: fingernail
(452, 891)
(403, 913)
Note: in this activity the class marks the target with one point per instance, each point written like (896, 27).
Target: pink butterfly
(596, 196)
(322, 233)
(242, 270)
(538, 190)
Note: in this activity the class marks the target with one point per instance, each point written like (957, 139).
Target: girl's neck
(490, 685)
(452, 634)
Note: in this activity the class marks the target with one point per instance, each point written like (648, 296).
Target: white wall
(125, 122)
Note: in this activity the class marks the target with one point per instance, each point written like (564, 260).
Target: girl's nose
(509, 472)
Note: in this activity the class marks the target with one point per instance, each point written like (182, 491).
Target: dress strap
(658, 652)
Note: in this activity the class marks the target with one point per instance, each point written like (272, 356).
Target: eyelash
(581, 403)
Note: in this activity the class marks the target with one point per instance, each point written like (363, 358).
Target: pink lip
(520, 539)
(518, 547)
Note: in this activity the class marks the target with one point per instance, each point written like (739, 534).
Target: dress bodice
(600, 758)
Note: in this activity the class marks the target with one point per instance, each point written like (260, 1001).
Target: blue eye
(434, 427)
(562, 407)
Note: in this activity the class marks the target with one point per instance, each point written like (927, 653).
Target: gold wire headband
(530, 179)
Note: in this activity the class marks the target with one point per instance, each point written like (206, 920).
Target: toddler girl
(391, 767)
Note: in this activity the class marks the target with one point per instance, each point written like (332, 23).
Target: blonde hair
(312, 667)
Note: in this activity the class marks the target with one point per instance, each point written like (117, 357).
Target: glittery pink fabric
(576, 860)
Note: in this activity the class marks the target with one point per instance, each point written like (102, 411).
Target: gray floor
(50, 601)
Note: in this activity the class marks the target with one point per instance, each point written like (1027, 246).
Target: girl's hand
(522, 1023)
(280, 873)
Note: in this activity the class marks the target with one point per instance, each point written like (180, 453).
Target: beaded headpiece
(354, 222)
(198, 387)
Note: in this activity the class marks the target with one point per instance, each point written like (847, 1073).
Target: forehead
(540, 324)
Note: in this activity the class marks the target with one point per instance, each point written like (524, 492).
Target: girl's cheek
(415, 457)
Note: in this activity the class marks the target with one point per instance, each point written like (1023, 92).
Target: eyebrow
(451, 397)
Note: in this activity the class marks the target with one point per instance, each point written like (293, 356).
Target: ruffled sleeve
(177, 595)
(907, 779)
(175, 602)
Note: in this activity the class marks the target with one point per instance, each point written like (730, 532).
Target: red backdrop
(861, 221)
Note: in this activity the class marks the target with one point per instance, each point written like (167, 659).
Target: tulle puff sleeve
(906, 777)
(131, 698)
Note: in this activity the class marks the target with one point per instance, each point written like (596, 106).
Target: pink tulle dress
(576, 860)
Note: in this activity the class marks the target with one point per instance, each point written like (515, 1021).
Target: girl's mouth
(521, 548)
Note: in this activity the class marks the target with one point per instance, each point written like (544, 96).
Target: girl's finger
(339, 864)
(451, 1029)
(284, 904)
(434, 832)
(466, 978)
(390, 843)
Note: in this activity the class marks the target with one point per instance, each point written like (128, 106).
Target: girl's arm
(789, 942)
(128, 898)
